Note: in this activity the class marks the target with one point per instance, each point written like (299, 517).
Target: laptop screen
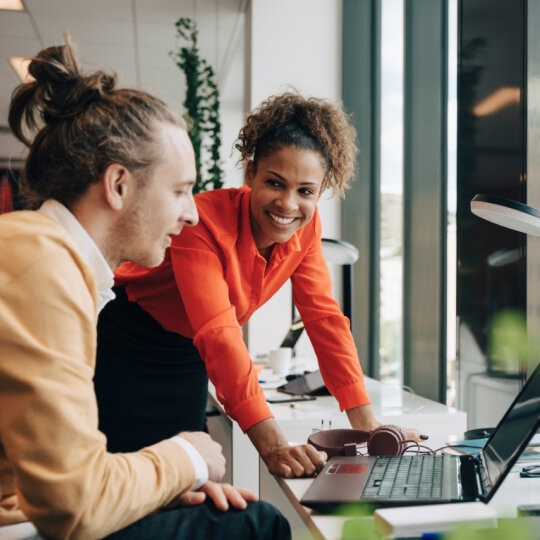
(514, 431)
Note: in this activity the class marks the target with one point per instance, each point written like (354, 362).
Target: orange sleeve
(199, 275)
(328, 330)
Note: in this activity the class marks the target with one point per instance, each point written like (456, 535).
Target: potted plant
(201, 106)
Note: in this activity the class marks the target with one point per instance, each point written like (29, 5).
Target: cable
(531, 471)
(476, 449)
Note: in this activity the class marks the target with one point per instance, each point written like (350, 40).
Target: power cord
(530, 471)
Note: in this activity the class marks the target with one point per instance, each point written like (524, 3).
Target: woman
(248, 242)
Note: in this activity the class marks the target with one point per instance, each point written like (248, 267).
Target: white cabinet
(489, 399)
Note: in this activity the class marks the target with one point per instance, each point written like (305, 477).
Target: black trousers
(150, 383)
(259, 521)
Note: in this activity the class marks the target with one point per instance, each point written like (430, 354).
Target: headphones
(385, 440)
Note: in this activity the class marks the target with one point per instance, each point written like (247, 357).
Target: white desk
(391, 405)
(514, 491)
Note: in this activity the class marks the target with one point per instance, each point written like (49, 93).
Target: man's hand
(221, 494)
(210, 451)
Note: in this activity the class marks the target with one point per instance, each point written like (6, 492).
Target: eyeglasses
(531, 471)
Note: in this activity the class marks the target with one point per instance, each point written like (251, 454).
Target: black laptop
(425, 479)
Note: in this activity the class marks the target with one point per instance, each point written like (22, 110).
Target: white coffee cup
(280, 360)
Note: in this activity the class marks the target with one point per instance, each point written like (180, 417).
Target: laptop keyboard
(405, 476)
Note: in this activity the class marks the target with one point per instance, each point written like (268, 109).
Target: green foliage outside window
(201, 106)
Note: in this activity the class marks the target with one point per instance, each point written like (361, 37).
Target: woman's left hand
(362, 418)
(414, 435)
(221, 494)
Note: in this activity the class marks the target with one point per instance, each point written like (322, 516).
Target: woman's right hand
(295, 461)
(280, 457)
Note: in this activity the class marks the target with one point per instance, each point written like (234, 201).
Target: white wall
(291, 43)
(232, 101)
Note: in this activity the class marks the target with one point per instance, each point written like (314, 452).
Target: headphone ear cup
(386, 441)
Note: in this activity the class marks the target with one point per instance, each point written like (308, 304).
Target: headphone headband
(385, 440)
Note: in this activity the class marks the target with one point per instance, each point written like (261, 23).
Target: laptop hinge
(482, 477)
(470, 478)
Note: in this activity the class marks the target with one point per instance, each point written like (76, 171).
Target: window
(391, 212)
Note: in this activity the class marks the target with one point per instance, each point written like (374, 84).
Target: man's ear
(249, 174)
(118, 183)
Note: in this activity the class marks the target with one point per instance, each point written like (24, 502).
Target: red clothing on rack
(213, 279)
(6, 195)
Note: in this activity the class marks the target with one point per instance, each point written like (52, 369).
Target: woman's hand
(280, 457)
(222, 496)
(414, 435)
(362, 418)
(295, 461)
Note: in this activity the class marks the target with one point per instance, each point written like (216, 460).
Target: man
(116, 170)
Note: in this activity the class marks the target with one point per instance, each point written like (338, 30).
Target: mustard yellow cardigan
(54, 467)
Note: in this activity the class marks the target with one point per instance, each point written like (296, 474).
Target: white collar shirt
(91, 253)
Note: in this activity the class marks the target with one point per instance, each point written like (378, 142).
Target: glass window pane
(452, 204)
(391, 167)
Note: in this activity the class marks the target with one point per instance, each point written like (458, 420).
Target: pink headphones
(383, 441)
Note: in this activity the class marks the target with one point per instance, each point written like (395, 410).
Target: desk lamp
(507, 213)
(344, 254)
(335, 252)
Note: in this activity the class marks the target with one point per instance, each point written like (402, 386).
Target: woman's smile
(281, 220)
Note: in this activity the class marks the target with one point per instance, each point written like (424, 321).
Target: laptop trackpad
(347, 468)
(341, 481)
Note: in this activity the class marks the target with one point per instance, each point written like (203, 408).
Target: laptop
(425, 479)
(310, 384)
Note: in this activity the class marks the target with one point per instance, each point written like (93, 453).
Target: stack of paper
(434, 518)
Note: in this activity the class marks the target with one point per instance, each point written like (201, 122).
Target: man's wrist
(201, 469)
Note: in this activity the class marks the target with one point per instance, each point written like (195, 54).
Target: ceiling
(131, 37)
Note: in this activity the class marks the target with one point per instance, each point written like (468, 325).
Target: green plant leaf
(201, 104)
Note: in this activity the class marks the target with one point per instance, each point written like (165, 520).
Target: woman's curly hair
(310, 123)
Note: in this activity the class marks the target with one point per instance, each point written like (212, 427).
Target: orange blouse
(213, 279)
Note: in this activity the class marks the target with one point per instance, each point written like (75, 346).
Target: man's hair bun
(59, 89)
(77, 124)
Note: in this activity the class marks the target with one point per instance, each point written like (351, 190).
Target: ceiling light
(14, 5)
(20, 65)
(501, 98)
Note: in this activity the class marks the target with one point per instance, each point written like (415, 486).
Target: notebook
(468, 446)
(424, 479)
